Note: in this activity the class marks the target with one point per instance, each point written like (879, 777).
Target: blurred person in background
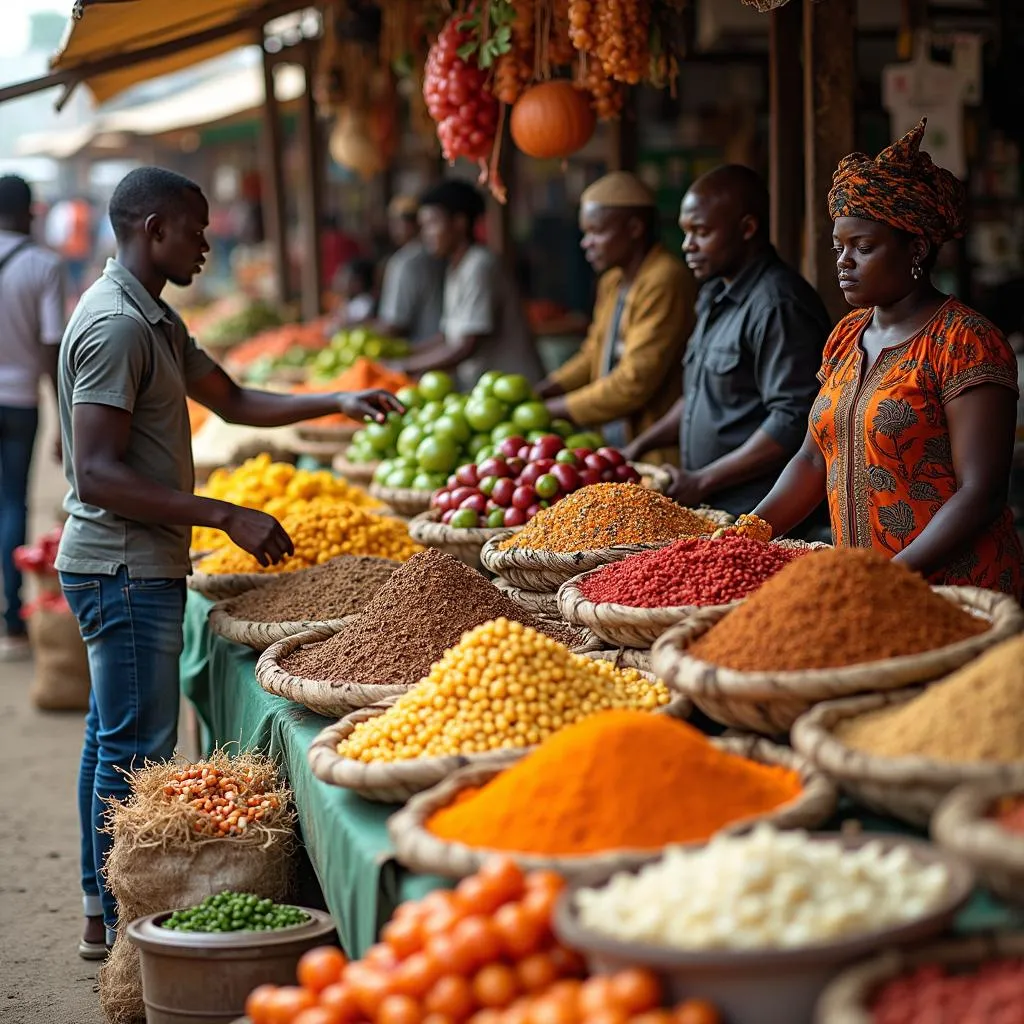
(70, 232)
(483, 323)
(356, 288)
(31, 325)
(413, 288)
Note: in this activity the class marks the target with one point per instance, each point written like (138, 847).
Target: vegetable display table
(345, 836)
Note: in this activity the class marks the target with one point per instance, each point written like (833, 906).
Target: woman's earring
(916, 271)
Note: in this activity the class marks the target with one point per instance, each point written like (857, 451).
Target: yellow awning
(108, 28)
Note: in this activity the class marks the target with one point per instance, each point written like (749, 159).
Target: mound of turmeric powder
(616, 780)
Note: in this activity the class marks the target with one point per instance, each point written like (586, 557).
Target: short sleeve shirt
(411, 295)
(480, 299)
(883, 433)
(125, 349)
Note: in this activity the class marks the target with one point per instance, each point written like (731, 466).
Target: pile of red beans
(994, 994)
(697, 571)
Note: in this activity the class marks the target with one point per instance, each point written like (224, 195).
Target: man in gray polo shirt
(127, 364)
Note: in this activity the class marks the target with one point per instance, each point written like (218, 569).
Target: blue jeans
(17, 436)
(133, 634)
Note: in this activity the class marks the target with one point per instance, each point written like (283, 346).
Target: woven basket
(404, 500)
(221, 586)
(420, 850)
(848, 997)
(396, 781)
(359, 473)
(909, 788)
(428, 530)
(962, 825)
(261, 635)
(770, 702)
(535, 601)
(654, 478)
(338, 434)
(548, 570)
(331, 699)
(627, 626)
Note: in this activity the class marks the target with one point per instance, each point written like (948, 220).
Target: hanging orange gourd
(552, 120)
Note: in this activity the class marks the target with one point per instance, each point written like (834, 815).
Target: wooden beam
(310, 194)
(786, 97)
(829, 81)
(272, 192)
(126, 58)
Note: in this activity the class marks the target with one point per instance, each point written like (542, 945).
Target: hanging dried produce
(606, 95)
(560, 50)
(621, 31)
(466, 114)
(582, 21)
(552, 120)
(514, 70)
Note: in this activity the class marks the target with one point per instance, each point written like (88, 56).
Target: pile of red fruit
(465, 112)
(513, 486)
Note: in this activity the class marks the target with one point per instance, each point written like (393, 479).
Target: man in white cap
(626, 375)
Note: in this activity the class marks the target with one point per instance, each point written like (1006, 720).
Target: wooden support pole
(310, 194)
(829, 81)
(786, 98)
(623, 138)
(498, 216)
(272, 191)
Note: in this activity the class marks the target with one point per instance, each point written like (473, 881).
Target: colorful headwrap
(901, 187)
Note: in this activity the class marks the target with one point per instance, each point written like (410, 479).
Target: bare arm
(981, 428)
(103, 478)
(235, 404)
(440, 355)
(798, 491)
(759, 453)
(663, 434)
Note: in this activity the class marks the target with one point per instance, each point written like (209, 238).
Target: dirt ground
(42, 978)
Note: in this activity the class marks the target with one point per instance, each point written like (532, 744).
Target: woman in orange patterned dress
(911, 436)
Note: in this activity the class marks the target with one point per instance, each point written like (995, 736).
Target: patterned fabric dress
(883, 433)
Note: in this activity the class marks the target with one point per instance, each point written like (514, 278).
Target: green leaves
(501, 15)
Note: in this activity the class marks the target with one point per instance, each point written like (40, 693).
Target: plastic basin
(194, 978)
(767, 986)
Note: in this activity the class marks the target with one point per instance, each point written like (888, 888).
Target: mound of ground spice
(423, 609)
(977, 714)
(842, 607)
(616, 780)
(603, 515)
(692, 572)
(343, 586)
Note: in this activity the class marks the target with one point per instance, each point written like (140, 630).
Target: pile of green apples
(441, 429)
(348, 346)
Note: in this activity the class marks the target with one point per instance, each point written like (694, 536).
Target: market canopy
(115, 44)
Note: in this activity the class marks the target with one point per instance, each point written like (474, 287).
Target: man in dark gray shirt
(749, 369)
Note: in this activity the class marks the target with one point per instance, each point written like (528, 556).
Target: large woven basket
(848, 998)
(535, 601)
(465, 544)
(323, 452)
(770, 702)
(359, 473)
(332, 699)
(962, 825)
(337, 434)
(261, 635)
(220, 586)
(404, 500)
(420, 850)
(909, 788)
(628, 626)
(396, 781)
(548, 570)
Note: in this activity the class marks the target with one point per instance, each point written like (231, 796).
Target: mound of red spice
(992, 994)
(691, 572)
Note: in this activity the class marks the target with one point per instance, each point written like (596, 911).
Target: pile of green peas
(235, 912)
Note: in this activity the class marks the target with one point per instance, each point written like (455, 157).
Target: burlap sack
(159, 863)
(61, 678)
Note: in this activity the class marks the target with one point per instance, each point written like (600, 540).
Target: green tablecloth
(345, 836)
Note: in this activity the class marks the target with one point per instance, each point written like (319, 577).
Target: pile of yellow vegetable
(505, 686)
(322, 529)
(276, 488)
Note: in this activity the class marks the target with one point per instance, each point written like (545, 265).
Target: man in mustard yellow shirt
(626, 375)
